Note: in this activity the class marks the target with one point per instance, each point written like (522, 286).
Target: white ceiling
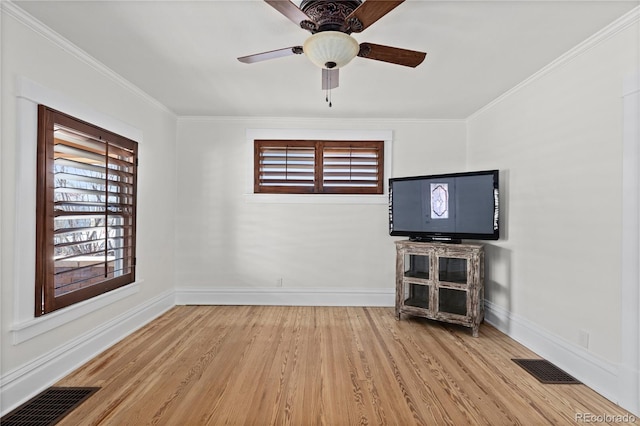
(183, 53)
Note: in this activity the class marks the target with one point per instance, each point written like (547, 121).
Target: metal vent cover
(546, 372)
(48, 407)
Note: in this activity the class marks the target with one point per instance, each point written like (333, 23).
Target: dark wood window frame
(318, 167)
(85, 211)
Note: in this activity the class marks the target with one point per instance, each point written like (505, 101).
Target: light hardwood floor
(264, 365)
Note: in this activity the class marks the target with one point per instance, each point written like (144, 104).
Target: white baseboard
(23, 383)
(600, 375)
(286, 296)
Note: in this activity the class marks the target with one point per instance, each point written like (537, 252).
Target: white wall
(557, 139)
(67, 77)
(229, 240)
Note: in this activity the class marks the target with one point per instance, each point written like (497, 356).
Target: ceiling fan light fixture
(331, 49)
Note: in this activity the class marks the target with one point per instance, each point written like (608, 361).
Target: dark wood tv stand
(440, 281)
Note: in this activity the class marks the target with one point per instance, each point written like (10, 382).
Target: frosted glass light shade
(331, 46)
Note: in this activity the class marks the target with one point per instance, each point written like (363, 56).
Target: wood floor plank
(270, 365)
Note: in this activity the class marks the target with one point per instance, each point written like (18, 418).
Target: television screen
(445, 207)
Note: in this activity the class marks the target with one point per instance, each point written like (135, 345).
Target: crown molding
(289, 120)
(626, 20)
(11, 9)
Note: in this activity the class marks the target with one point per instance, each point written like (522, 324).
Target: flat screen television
(446, 207)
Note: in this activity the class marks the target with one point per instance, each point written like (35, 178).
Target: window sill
(34, 327)
(316, 199)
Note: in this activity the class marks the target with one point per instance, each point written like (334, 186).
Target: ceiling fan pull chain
(327, 96)
(330, 87)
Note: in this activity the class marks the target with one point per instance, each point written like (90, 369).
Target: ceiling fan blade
(330, 78)
(290, 10)
(273, 54)
(369, 12)
(393, 55)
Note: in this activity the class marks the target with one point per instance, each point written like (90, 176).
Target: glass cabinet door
(452, 270)
(416, 266)
(452, 301)
(416, 295)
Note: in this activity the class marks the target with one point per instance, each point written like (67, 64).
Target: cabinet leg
(397, 315)
(474, 330)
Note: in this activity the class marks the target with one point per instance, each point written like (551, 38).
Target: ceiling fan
(331, 46)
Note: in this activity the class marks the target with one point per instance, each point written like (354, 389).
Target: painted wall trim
(36, 93)
(317, 198)
(288, 120)
(34, 327)
(610, 30)
(629, 387)
(38, 27)
(286, 296)
(598, 374)
(29, 95)
(19, 385)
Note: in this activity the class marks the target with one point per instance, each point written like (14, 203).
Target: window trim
(46, 301)
(317, 134)
(24, 324)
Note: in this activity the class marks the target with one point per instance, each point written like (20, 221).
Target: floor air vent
(47, 408)
(546, 372)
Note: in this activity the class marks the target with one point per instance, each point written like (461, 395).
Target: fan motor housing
(329, 15)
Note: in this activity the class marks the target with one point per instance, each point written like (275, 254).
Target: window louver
(86, 238)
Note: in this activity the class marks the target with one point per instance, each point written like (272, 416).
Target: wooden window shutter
(86, 211)
(285, 167)
(353, 167)
(331, 167)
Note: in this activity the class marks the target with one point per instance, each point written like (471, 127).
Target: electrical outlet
(583, 338)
